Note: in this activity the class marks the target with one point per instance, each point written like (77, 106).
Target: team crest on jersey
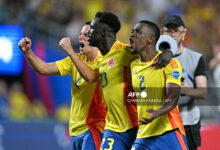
(111, 62)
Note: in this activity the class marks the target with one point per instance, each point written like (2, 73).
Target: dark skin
(172, 92)
(143, 42)
(163, 58)
(102, 37)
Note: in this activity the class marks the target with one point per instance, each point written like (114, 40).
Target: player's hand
(25, 44)
(65, 44)
(151, 117)
(184, 88)
(164, 58)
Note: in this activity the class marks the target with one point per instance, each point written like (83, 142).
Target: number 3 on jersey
(104, 79)
(110, 143)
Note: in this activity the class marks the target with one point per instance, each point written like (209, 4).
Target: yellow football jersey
(150, 83)
(88, 108)
(115, 77)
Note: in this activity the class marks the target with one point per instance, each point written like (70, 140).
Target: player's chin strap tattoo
(164, 58)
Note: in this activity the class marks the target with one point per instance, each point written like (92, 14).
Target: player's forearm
(36, 63)
(167, 106)
(170, 102)
(86, 72)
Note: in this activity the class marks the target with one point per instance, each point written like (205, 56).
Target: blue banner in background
(34, 136)
(11, 59)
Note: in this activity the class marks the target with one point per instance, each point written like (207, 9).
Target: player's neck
(106, 46)
(92, 55)
(147, 55)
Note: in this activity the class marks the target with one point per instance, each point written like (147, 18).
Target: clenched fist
(25, 44)
(65, 44)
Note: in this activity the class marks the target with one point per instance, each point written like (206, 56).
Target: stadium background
(34, 109)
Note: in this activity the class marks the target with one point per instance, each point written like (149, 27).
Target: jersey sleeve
(173, 72)
(65, 66)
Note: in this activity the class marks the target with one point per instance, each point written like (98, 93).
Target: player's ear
(184, 33)
(150, 40)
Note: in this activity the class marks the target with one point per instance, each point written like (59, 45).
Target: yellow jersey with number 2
(152, 82)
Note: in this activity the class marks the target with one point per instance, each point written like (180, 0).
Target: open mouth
(81, 44)
(131, 42)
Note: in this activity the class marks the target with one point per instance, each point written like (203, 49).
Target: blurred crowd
(15, 105)
(54, 19)
(57, 18)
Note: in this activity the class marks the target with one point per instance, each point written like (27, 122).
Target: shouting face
(83, 39)
(139, 37)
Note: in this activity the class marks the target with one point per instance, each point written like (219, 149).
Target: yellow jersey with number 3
(87, 108)
(151, 82)
(115, 77)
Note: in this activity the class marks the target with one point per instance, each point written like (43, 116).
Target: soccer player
(87, 114)
(194, 86)
(114, 74)
(160, 123)
(114, 60)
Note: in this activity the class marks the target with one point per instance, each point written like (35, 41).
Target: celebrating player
(160, 123)
(87, 115)
(114, 74)
(114, 60)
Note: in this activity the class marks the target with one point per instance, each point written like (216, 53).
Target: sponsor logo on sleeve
(176, 74)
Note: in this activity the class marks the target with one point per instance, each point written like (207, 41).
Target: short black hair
(110, 19)
(87, 23)
(155, 29)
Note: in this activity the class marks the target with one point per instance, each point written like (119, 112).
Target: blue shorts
(118, 140)
(89, 140)
(172, 140)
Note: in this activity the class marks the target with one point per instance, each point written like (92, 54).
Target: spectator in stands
(39, 112)
(4, 104)
(19, 103)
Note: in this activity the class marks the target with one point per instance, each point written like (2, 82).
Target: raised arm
(36, 63)
(86, 72)
(172, 92)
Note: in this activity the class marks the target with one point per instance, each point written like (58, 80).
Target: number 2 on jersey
(141, 82)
